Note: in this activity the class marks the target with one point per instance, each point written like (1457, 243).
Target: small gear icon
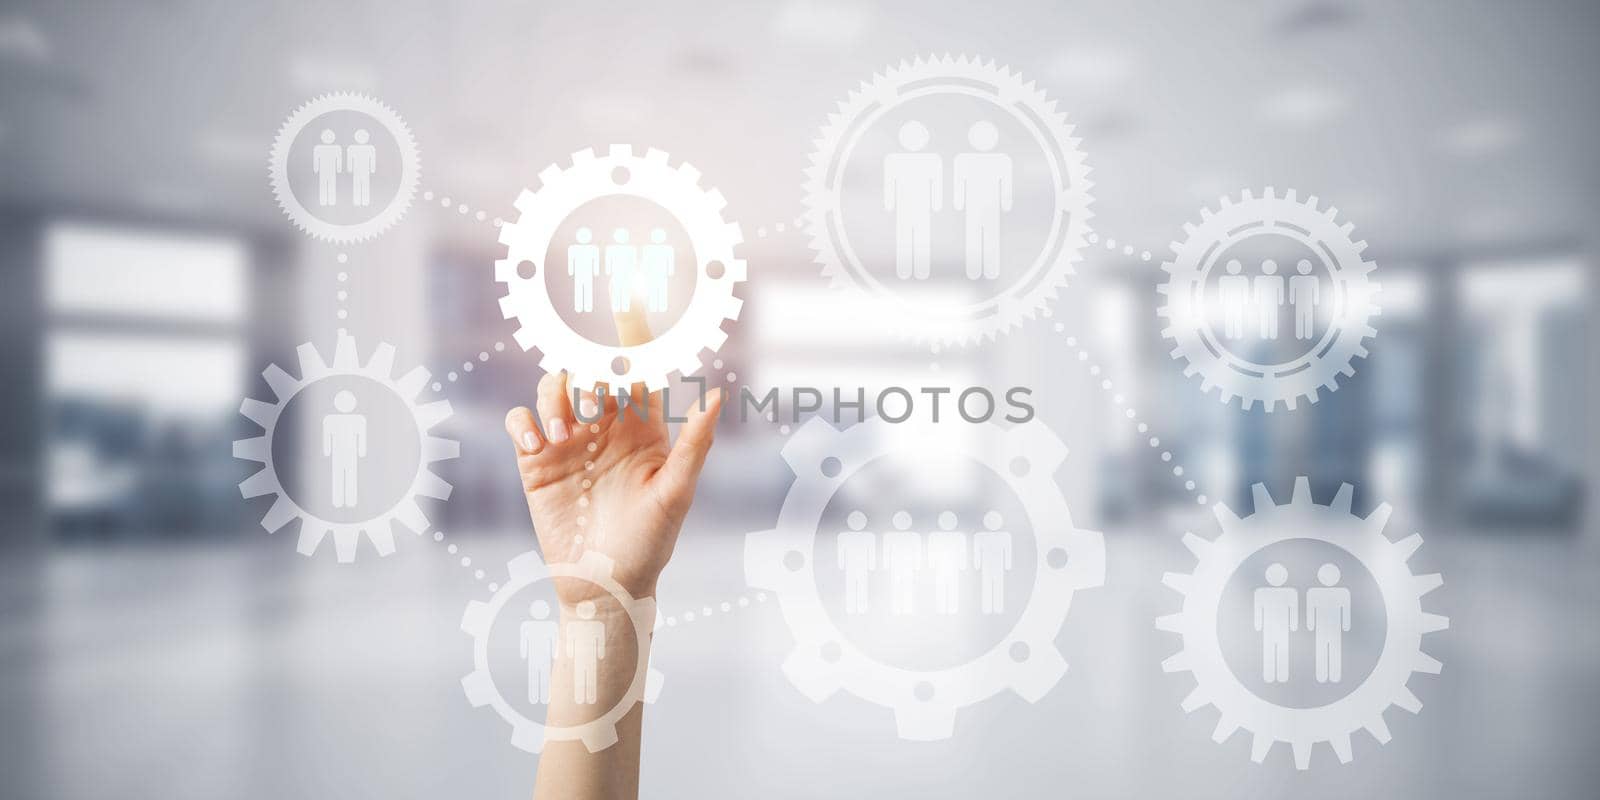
(1034, 288)
(1363, 707)
(302, 217)
(924, 702)
(478, 621)
(619, 172)
(1185, 306)
(313, 529)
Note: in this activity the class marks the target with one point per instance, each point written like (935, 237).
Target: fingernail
(529, 443)
(558, 430)
(587, 408)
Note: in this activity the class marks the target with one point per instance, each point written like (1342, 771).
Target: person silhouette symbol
(982, 188)
(1268, 298)
(344, 444)
(586, 646)
(991, 556)
(361, 159)
(657, 265)
(327, 161)
(1233, 292)
(1305, 292)
(858, 557)
(622, 262)
(947, 556)
(1277, 612)
(539, 645)
(913, 188)
(902, 556)
(583, 264)
(1328, 616)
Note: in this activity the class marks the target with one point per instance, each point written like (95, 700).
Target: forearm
(567, 770)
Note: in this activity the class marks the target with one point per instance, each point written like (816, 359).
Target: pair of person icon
(1327, 615)
(541, 642)
(913, 189)
(626, 265)
(1265, 295)
(344, 444)
(329, 161)
(904, 553)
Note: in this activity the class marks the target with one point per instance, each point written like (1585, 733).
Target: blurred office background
(155, 642)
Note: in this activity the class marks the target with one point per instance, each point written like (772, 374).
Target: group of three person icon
(913, 189)
(904, 553)
(329, 161)
(1265, 294)
(542, 640)
(1327, 615)
(626, 265)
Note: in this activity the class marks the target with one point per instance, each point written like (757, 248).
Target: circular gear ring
(478, 622)
(924, 702)
(313, 529)
(1069, 225)
(302, 217)
(1185, 312)
(1363, 707)
(652, 178)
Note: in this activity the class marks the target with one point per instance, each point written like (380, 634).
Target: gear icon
(478, 621)
(313, 529)
(1363, 707)
(619, 172)
(924, 702)
(1033, 290)
(302, 217)
(1186, 313)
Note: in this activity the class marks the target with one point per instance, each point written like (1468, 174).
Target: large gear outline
(313, 529)
(1184, 306)
(1302, 518)
(278, 167)
(1041, 283)
(925, 703)
(478, 622)
(676, 189)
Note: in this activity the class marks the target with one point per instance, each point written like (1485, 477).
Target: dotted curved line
(725, 607)
(1121, 401)
(343, 293)
(466, 561)
(780, 227)
(469, 365)
(462, 208)
(1111, 244)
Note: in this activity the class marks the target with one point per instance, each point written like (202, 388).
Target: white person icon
(947, 556)
(913, 188)
(586, 646)
(327, 161)
(361, 159)
(344, 444)
(1305, 293)
(539, 644)
(583, 265)
(621, 263)
(982, 187)
(1328, 616)
(991, 557)
(657, 264)
(902, 556)
(858, 557)
(1277, 613)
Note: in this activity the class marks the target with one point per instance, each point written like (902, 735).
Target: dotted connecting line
(466, 561)
(1126, 249)
(463, 209)
(1121, 401)
(343, 293)
(469, 365)
(780, 227)
(725, 607)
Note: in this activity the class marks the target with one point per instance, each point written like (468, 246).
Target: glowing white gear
(1363, 707)
(563, 191)
(302, 217)
(313, 529)
(478, 621)
(924, 702)
(1184, 307)
(1026, 297)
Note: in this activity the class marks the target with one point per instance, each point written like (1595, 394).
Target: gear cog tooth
(1045, 668)
(479, 687)
(1378, 520)
(656, 156)
(1342, 500)
(928, 721)
(1302, 754)
(1170, 623)
(1261, 497)
(690, 175)
(1423, 662)
(344, 543)
(1341, 748)
(279, 514)
(258, 412)
(1200, 547)
(381, 536)
(1260, 746)
(259, 484)
(257, 449)
(1302, 492)
(281, 384)
(1177, 662)
(620, 152)
(477, 621)
(1423, 584)
(1177, 581)
(1224, 730)
(1194, 701)
(585, 156)
(1433, 623)
(1378, 728)
(311, 535)
(1407, 701)
(1407, 547)
(815, 679)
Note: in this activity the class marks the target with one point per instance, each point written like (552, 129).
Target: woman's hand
(617, 486)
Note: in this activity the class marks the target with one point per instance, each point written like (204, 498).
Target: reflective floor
(179, 672)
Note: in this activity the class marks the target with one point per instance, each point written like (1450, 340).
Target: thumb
(677, 477)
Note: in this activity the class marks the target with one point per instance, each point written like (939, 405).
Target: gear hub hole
(794, 560)
(715, 270)
(831, 467)
(527, 270)
(619, 365)
(620, 176)
(1056, 558)
(832, 652)
(1020, 467)
(923, 691)
(1019, 652)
